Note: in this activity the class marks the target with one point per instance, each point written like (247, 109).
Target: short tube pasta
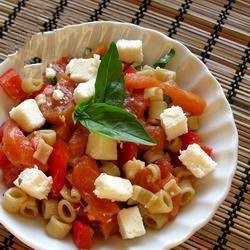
(57, 229)
(29, 208)
(66, 212)
(31, 85)
(156, 108)
(43, 151)
(49, 208)
(13, 198)
(110, 169)
(172, 188)
(156, 172)
(151, 156)
(48, 135)
(72, 195)
(175, 145)
(141, 195)
(187, 191)
(182, 173)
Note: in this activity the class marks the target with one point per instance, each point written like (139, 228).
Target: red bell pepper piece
(58, 162)
(82, 235)
(128, 151)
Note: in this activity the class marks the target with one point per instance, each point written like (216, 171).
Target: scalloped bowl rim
(27, 239)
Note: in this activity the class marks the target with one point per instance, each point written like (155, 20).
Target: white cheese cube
(57, 94)
(159, 73)
(43, 151)
(130, 223)
(101, 147)
(130, 51)
(84, 91)
(197, 161)
(49, 72)
(113, 188)
(174, 122)
(27, 115)
(40, 99)
(131, 168)
(34, 182)
(82, 70)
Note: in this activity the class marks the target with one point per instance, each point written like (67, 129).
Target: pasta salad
(102, 144)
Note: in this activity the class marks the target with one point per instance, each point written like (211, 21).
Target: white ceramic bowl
(217, 128)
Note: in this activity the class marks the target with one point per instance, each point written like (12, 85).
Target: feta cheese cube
(197, 161)
(130, 223)
(84, 91)
(174, 122)
(49, 72)
(82, 70)
(27, 115)
(113, 188)
(34, 182)
(130, 51)
(57, 94)
(40, 99)
(131, 168)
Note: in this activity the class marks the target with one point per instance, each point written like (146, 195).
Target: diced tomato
(78, 141)
(82, 234)
(58, 162)
(63, 132)
(158, 134)
(136, 81)
(165, 167)
(10, 173)
(34, 94)
(176, 200)
(12, 85)
(110, 227)
(1, 132)
(18, 149)
(60, 65)
(99, 50)
(136, 104)
(190, 102)
(84, 175)
(3, 159)
(175, 161)
(101, 210)
(189, 138)
(207, 149)
(142, 178)
(129, 69)
(127, 152)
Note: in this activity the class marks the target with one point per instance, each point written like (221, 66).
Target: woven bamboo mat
(217, 31)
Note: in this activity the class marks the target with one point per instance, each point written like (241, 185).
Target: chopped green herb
(87, 51)
(167, 99)
(19, 181)
(52, 80)
(165, 59)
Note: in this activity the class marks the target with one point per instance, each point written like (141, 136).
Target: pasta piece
(172, 188)
(131, 168)
(187, 191)
(151, 156)
(31, 85)
(155, 221)
(131, 202)
(156, 173)
(29, 208)
(66, 212)
(57, 229)
(160, 203)
(13, 198)
(175, 145)
(110, 169)
(183, 173)
(49, 208)
(156, 108)
(141, 195)
(43, 151)
(153, 94)
(48, 135)
(72, 195)
(193, 122)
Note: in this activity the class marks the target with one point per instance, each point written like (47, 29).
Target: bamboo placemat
(217, 31)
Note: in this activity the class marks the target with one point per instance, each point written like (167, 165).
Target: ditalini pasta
(101, 143)
(13, 198)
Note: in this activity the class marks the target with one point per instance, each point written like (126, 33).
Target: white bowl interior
(217, 128)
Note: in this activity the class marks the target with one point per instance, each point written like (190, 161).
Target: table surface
(217, 31)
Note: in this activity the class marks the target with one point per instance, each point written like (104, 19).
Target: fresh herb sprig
(165, 59)
(103, 114)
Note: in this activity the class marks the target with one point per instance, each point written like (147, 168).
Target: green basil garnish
(52, 80)
(167, 99)
(165, 59)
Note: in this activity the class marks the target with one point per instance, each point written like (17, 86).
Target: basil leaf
(167, 99)
(52, 80)
(113, 122)
(165, 59)
(108, 76)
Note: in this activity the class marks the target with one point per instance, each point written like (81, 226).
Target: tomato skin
(189, 138)
(110, 227)
(82, 234)
(10, 173)
(136, 104)
(127, 152)
(3, 158)
(135, 81)
(1, 132)
(11, 83)
(176, 200)
(15, 142)
(84, 174)
(63, 132)
(165, 167)
(58, 162)
(101, 210)
(129, 69)
(190, 102)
